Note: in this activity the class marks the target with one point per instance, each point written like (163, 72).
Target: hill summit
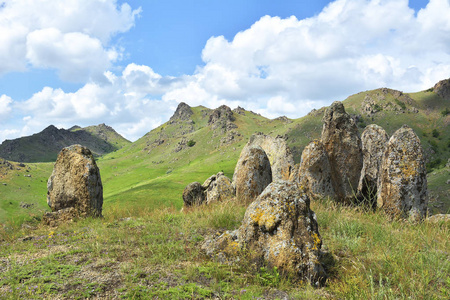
(45, 145)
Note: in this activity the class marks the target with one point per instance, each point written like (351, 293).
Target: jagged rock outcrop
(403, 182)
(252, 174)
(218, 188)
(280, 156)
(278, 229)
(314, 173)
(239, 110)
(221, 119)
(194, 194)
(442, 88)
(183, 112)
(374, 140)
(76, 183)
(343, 145)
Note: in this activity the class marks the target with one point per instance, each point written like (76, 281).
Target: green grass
(156, 253)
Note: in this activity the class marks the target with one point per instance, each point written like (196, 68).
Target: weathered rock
(194, 194)
(314, 174)
(75, 182)
(343, 145)
(403, 182)
(280, 156)
(252, 174)
(439, 218)
(183, 112)
(280, 229)
(218, 188)
(374, 140)
(221, 119)
(442, 88)
(62, 216)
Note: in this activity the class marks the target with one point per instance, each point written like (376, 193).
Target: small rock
(194, 194)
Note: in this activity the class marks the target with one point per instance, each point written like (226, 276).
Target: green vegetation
(145, 248)
(148, 254)
(445, 112)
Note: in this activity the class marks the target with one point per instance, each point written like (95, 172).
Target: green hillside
(45, 145)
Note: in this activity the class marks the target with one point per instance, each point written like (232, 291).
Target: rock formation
(442, 88)
(280, 229)
(218, 188)
(374, 140)
(76, 183)
(183, 112)
(314, 173)
(343, 145)
(221, 119)
(403, 183)
(279, 154)
(252, 174)
(194, 194)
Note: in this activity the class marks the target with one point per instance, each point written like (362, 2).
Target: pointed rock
(183, 112)
(442, 88)
(374, 140)
(343, 145)
(403, 183)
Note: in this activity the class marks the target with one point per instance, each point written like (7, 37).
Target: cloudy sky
(129, 63)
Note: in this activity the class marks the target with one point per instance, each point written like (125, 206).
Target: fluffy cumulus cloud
(290, 66)
(275, 67)
(70, 36)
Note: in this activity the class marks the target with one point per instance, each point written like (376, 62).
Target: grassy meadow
(145, 247)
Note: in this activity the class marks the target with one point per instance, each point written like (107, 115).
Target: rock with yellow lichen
(280, 230)
(403, 182)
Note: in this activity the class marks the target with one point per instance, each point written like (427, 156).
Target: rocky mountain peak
(183, 112)
(442, 88)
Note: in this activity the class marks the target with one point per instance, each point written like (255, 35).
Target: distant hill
(45, 145)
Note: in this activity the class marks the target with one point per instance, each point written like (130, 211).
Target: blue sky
(129, 63)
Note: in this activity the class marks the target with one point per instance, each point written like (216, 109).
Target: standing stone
(403, 183)
(76, 183)
(343, 145)
(252, 174)
(218, 188)
(278, 229)
(315, 172)
(278, 152)
(374, 140)
(194, 194)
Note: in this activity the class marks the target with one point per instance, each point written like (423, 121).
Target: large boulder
(76, 183)
(403, 182)
(314, 174)
(252, 174)
(343, 145)
(280, 230)
(374, 140)
(218, 188)
(194, 194)
(278, 152)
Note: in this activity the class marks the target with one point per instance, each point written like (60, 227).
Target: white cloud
(5, 107)
(70, 36)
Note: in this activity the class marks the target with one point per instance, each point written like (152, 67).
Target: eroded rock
(279, 229)
(76, 183)
(314, 174)
(403, 182)
(374, 140)
(194, 194)
(252, 174)
(343, 145)
(218, 188)
(280, 156)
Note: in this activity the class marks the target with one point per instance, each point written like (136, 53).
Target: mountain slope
(45, 145)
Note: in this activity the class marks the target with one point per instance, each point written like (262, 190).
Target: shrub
(445, 112)
(401, 104)
(191, 143)
(435, 133)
